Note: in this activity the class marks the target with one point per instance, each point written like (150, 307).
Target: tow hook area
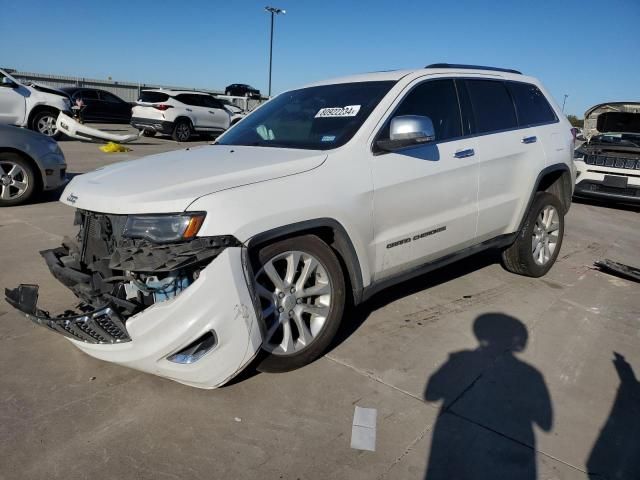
(92, 325)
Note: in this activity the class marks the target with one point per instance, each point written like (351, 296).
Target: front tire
(538, 244)
(17, 180)
(182, 131)
(44, 122)
(301, 289)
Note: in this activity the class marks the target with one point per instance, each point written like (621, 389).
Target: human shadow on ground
(491, 401)
(616, 453)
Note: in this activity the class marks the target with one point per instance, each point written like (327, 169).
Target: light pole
(564, 101)
(274, 11)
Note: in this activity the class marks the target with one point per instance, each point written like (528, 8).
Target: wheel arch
(333, 234)
(184, 117)
(555, 179)
(37, 109)
(34, 165)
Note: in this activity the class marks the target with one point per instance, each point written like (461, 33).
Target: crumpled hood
(170, 182)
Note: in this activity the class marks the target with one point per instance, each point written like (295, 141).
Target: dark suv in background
(241, 90)
(100, 106)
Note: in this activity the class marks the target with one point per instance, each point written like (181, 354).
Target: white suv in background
(192, 263)
(179, 114)
(32, 106)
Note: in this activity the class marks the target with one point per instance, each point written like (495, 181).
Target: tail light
(163, 107)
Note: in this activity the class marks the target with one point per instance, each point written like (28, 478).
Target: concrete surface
(545, 396)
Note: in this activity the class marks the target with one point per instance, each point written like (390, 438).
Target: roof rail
(472, 67)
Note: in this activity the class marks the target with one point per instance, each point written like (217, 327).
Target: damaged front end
(115, 276)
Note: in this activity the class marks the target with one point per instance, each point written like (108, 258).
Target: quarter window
(437, 100)
(532, 106)
(492, 106)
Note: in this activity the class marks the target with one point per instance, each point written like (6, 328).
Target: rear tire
(538, 244)
(302, 309)
(182, 130)
(44, 122)
(17, 180)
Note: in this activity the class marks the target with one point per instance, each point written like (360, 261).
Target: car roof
(395, 75)
(175, 92)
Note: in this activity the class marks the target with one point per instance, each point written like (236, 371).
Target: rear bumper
(158, 126)
(219, 301)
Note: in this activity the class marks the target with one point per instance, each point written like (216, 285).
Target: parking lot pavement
(474, 372)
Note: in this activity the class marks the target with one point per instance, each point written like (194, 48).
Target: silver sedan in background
(29, 164)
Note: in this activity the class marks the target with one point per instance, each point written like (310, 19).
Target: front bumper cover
(219, 301)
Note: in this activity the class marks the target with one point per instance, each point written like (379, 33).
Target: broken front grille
(100, 326)
(613, 162)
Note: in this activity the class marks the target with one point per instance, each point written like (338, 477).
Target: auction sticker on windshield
(332, 112)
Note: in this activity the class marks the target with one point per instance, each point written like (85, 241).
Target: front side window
(436, 99)
(492, 105)
(316, 118)
(531, 105)
(108, 97)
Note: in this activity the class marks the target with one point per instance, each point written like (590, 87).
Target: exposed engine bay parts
(134, 291)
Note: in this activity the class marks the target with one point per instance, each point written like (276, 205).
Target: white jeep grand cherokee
(189, 264)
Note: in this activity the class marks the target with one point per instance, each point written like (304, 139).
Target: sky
(586, 49)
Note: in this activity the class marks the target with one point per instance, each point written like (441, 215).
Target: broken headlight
(164, 228)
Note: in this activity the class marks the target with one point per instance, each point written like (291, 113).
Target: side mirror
(406, 131)
(7, 82)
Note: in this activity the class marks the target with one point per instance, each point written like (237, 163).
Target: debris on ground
(618, 269)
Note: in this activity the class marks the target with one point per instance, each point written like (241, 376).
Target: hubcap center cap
(6, 180)
(288, 302)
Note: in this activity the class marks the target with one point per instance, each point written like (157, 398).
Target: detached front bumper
(218, 306)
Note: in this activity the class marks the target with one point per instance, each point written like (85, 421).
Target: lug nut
(299, 301)
(281, 309)
(281, 295)
(293, 290)
(291, 313)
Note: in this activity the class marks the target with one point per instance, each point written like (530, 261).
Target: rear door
(12, 101)
(510, 156)
(425, 197)
(197, 111)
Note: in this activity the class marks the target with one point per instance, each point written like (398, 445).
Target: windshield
(315, 118)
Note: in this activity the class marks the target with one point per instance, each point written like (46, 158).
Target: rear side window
(531, 105)
(153, 97)
(492, 105)
(86, 95)
(437, 100)
(108, 97)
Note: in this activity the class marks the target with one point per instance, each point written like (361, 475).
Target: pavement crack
(374, 377)
(406, 451)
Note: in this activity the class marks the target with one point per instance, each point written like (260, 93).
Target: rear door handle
(467, 152)
(532, 139)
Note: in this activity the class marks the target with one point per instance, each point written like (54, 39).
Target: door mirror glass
(406, 131)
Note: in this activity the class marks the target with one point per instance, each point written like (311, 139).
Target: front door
(12, 101)
(425, 197)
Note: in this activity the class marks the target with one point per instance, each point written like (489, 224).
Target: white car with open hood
(193, 263)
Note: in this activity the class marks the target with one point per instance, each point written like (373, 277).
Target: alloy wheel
(545, 235)
(295, 294)
(47, 125)
(14, 181)
(183, 131)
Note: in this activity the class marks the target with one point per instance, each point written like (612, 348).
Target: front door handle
(532, 139)
(212, 113)
(467, 152)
